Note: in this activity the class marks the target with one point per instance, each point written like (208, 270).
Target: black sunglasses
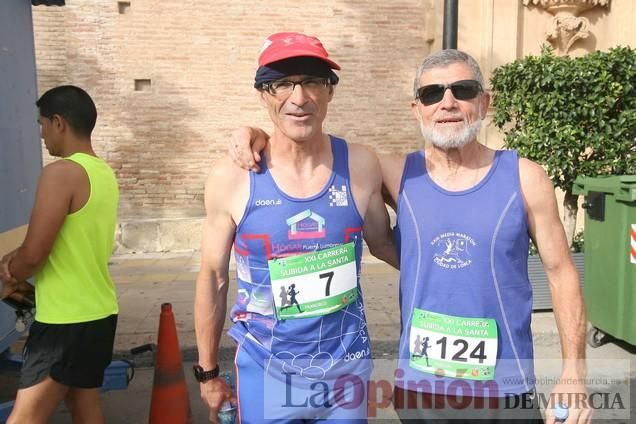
(462, 90)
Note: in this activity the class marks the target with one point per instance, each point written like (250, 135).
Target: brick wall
(200, 58)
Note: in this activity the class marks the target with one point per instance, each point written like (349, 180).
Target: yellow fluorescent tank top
(74, 284)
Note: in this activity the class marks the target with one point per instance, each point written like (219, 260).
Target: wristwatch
(202, 376)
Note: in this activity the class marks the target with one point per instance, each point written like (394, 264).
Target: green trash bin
(610, 256)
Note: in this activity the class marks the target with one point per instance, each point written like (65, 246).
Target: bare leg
(85, 406)
(36, 404)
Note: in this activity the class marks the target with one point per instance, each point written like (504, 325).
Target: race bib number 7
(453, 346)
(314, 284)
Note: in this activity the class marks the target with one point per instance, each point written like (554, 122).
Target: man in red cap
(470, 273)
(297, 227)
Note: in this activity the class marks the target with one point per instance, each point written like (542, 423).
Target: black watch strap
(202, 376)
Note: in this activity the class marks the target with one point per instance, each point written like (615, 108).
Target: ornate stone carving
(567, 25)
(566, 30)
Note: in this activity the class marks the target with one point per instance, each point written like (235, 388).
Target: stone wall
(172, 79)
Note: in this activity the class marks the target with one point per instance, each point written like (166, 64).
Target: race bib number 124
(453, 346)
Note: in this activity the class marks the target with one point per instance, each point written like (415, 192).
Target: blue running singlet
(465, 296)
(276, 225)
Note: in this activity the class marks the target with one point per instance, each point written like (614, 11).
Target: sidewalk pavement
(145, 281)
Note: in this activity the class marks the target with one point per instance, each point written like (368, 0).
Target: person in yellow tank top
(67, 246)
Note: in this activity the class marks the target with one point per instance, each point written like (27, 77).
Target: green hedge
(575, 116)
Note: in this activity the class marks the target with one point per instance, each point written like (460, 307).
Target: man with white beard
(465, 216)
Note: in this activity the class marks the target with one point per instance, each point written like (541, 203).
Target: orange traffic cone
(170, 403)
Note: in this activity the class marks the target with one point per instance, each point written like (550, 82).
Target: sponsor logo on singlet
(352, 356)
(268, 202)
(338, 197)
(452, 250)
(306, 225)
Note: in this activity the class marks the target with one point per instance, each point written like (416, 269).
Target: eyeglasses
(282, 88)
(462, 90)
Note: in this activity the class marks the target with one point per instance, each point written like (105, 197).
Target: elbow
(221, 284)
(30, 260)
(34, 259)
(384, 252)
(376, 250)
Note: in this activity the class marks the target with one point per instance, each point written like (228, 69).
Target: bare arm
(210, 305)
(246, 144)
(52, 203)
(366, 180)
(547, 232)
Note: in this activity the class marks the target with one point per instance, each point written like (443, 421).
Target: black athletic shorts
(74, 355)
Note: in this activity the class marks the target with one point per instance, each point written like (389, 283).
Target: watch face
(198, 372)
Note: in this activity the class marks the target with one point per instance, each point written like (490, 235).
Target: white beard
(454, 140)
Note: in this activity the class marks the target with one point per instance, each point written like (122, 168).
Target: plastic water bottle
(227, 413)
(560, 412)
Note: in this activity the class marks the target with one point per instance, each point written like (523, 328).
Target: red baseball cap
(285, 45)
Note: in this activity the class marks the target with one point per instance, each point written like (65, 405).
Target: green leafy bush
(575, 116)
